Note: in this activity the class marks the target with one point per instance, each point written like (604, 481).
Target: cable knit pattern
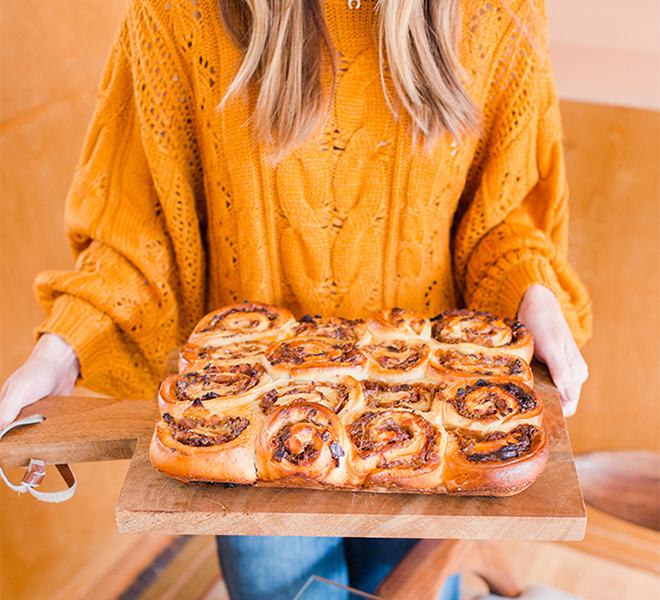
(176, 210)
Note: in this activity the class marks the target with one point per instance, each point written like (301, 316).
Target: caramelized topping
(401, 438)
(213, 382)
(240, 319)
(416, 396)
(313, 352)
(237, 351)
(303, 434)
(485, 365)
(398, 355)
(332, 395)
(484, 329)
(210, 431)
(496, 446)
(335, 328)
(484, 399)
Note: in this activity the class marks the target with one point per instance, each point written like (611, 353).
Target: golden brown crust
(491, 405)
(456, 364)
(399, 323)
(315, 358)
(417, 396)
(332, 403)
(206, 447)
(242, 322)
(481, 329)
(396, 360)
(193, 357)
(495, 463)
(352, 331)
(215, 386)
(302, 439)
(394, 448)
(336, 395)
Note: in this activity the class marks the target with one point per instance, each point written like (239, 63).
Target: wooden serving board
(84, 429)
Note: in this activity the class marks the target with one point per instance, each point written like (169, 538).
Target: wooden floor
(615, 561)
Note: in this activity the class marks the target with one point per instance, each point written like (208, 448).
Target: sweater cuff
(520, 279)
(84, 328)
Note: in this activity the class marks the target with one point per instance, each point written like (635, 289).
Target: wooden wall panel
(612, 161)
(52, 57)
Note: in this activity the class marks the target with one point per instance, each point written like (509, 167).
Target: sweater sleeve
(132, 223)
(511, 230)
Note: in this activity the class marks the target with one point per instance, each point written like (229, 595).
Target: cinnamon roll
(397, 360)
(400, 324)
(412, 396)
(483, 329)
(394, 448)
(192, 357)
(335, 395)
(487, 405)
(214, 386)
(339, 329)
(448, 363)
(398, 402)
(497, 463)
(242, 322)
(315, 358)
(200, 446)
(303, 443)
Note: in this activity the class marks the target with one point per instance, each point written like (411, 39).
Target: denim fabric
(275, 568)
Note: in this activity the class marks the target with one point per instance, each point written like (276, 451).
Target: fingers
(17, 392)
(52, 368)
(569, 372)
(541, 313)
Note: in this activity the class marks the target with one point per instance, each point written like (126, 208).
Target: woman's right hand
(52, 368)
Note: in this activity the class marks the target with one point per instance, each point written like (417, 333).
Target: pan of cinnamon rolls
(394, 403)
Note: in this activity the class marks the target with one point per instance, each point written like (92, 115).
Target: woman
(331, 157)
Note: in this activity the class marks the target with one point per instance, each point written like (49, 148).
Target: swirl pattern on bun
(395, 447)
(480, 329)
(396, 403)
(303, 442)
(242, 322)
(399, 324)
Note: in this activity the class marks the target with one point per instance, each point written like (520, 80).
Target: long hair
(288, 54)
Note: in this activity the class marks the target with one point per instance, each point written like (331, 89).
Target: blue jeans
(275, 568)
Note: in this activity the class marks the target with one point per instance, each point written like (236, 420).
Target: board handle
(37, 471)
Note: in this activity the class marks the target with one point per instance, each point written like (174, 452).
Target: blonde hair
(287, 50)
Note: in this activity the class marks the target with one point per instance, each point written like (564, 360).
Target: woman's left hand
(541, 313)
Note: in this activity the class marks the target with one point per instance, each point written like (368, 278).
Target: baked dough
(496, 463)
(398, 402)
(456, 363)
(242, 322)
(397, 360)
(491, 406)
(200, 446)
(213, 385)
(315, 358)
(474, 330)
(394, 448)
(399, 324)
(193, 356)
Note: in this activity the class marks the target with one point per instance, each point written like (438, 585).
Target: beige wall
(606, 51)
(52, 54)
(612, 159)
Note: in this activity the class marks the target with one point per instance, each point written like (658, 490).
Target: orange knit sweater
(175, 210)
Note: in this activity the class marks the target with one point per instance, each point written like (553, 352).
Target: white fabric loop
(36, 472)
